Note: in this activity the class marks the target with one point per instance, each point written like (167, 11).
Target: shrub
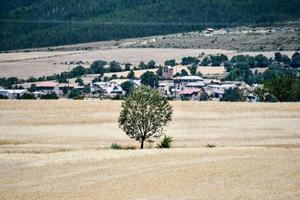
(49, 96)
(27, 96)
(75, 94)
(233, 95)
(3, 97)
(204, 96)
(210, 146)
(115, 146)
(165, 143)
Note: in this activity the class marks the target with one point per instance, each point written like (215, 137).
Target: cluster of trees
(36, 23)
(284, 88)
(280, 88)
(233, 95)
(241, 67)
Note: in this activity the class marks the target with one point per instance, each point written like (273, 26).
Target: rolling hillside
(36, 23)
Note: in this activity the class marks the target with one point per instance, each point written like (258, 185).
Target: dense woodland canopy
(36, 23)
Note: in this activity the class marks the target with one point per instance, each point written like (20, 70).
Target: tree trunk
(142, 144)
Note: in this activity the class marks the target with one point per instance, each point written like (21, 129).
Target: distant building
(12, 94)
(110, 89)
(217, 91)
(167, 72)
(190, 94)
(181, 83)
(47, 87)
(166, 88)
(209, 30)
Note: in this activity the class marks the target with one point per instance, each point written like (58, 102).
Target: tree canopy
(36, 23)
(144, 115)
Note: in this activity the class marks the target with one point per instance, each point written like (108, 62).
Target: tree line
(35, 23)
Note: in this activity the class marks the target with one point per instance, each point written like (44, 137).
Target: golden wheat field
(60, 150)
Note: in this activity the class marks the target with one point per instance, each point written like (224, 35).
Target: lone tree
(145, 114)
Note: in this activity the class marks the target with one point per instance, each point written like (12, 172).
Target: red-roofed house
(190, 93)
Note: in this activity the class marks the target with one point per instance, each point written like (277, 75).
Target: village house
(190, 94)
(47, 87)
(167, 72)
(166, 88)
(217, 90)
(12, 94)
(110, 89)
(182, 82)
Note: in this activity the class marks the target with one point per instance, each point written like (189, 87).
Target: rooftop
(190, 91)
(192, 78)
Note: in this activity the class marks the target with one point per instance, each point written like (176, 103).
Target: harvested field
(37, 64)
(60, 150)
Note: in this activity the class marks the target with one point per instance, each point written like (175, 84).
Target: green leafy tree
(261, 61)
(189, 60)
(144, 115)
(285, 60)
(79, 81)
(278, 57)
(204, 96)
(52, 95)
(296, 60)
(98, 67)
(77, 72)
(193, 69)
(171, 63)
(217, 60)
(159, 72)
(131, 75)
(206, 61)
(127, 66)
(75, 94)
(150, 79)
(115, 67)
(127, 86)
(27, 96)
(233, 95)
(284, 88)
(151, 64)
(142, 65)
(184, 72)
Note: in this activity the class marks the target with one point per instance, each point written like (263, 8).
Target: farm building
(12, 94)
(190, 94)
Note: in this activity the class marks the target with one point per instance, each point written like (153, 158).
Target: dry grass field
(60, 150)
(37, 64)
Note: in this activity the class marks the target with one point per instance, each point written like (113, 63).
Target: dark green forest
(39, 23)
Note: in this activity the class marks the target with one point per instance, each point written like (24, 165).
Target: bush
(27, 96)
(3, 97)
(271, 98)
(165, 143)
(210, 146)
(75, 94)
(49, 96)
(117, 146)
(233, 95)
(204, 96)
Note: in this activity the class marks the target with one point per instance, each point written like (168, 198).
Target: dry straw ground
(59, 150)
